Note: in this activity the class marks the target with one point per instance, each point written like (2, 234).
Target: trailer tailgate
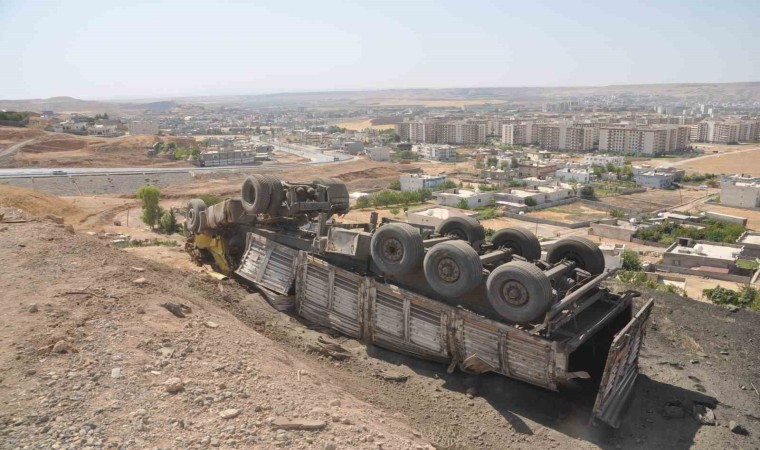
(621, 368)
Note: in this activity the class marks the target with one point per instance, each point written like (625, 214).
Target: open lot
(743, 160)
(655, 199)
(573, 212)
(362, 124)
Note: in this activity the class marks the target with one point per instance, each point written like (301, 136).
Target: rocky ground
(91, 359)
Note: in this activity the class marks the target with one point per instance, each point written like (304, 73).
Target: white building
(434, 216)
(414, 181)
(740, 191)
(473, 198)
(646, 140)
(436, 152)
(142, 127)
(577, 175)
(539, 194)
(379, 153)
(603, 160)
(656, 180)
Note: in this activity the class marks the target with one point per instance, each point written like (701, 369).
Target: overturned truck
(443, 293)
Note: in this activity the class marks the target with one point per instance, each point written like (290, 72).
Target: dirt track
(251, 362)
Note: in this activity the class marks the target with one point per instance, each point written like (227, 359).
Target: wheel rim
(392, 250)
(191, 216)
(251, 194)
(447, 270)
(514, 293)
(457, 234)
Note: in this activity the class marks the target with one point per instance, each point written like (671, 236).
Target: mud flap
(621, 369)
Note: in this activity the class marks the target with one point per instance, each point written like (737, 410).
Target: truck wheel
(337, 194)
(277, 194)
(464, 228)
(519, 291)
(397, 248)
(584, 253)
(256, 194)
(520, 240)
(193, 215)
(452, 268)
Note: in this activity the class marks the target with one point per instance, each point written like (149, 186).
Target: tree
(395, 185)
(631, 260)
(515, 164)
(151, 211)
(493, 161)
(530, 201)
(587, 191)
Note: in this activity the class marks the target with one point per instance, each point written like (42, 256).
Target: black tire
(583, 252)
(278, 195)
(464, 228)
(397, 248)
(452, 268)
(337, 194)
(256, 194)
(193, 219)
(520, 240)
(519, 291)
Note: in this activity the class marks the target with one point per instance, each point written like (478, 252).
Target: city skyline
(170, 49)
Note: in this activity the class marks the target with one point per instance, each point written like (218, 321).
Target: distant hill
(70, 104)
(695, 92)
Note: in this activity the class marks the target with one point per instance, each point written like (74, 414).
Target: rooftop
(709, 250)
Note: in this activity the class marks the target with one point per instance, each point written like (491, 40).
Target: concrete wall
(612, 232)
(702, 273)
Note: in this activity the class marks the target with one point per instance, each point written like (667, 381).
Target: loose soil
(570, 213)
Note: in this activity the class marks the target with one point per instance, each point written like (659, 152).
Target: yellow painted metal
(215, 245)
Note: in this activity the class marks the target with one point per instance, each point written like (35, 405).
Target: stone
(229, 413)
(210, 324)
(33, 308)
(388, 375)
(116, 372)
(62, 347)
(282, 423)
(55, 219)
(737, 428)
(138, 269)
(140, 281)
(330, 446)
(334, 402)
(174, 385)
(703, 414)
(723, 352)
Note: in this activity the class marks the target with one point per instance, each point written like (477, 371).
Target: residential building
(379, 153)
(496, 174)
(414, 181)
(750, 240)
(603, 160)
(436, 152)
(539, 194)
(473, 198)
(537, 170)
(646, 140)
(142, 127)
(577, 175)
(702, 255)
(432, 217)
(726, 132)
(353, 148)
(564, 136)
(742, 191)
(656, 180)
(519, 134)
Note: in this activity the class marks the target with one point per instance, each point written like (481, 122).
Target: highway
(316, 158)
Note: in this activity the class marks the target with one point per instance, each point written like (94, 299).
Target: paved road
(316, 158)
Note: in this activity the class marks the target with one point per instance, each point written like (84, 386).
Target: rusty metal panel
(622, 368)
(269, 264)
(331, 297)
(529, 358)
(408, 322)
(481, 339)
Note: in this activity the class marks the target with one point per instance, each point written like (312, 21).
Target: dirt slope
(34, 202)
(108, 390)
(235, 352)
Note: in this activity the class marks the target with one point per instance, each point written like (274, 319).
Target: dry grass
(573, 212)
(363, 124)
(35, 203)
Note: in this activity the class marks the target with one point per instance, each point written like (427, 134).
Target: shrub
(210, 199)
(362, 202)
(168, 222)
(746, 297)
(530, 201)
(631, 261)
(395, 211)
(617, 213)
(395, 185)
(462, 204)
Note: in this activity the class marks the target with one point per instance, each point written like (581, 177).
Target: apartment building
(726, 132)
(646, 140)
(519, 134)
(430, 132)
(436, 152)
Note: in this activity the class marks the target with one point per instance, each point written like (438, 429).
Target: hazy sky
(130, 48)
